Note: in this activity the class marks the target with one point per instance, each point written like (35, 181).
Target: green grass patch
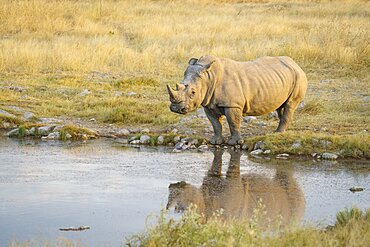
(76, 132)
(350, 146)
(9, 119)
(192, 229)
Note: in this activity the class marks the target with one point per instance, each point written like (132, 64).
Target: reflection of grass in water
(193, 230)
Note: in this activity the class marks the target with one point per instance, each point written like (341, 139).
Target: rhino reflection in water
(238, 195)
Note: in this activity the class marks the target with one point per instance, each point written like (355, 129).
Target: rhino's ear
(208, 66)
(192, 61)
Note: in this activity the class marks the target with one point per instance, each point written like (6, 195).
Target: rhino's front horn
(172, 93)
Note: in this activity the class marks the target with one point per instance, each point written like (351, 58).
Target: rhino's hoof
(216, 140)
(235, 141)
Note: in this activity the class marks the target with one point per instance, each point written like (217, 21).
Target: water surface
(45, 186)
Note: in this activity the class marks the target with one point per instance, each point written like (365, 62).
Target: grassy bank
(110, 60)
(351, 229)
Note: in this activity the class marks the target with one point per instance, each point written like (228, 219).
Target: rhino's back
(259, 86)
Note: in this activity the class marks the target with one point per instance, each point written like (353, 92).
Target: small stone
(32, 131)
(170, 144)
(7, 114)
(237, 146)
(261, 124)
(268, 151)
(45, 130)
(51, 136)
(297, 144)
(68, 136)
(202, 148)
(244, 147)
(131, 93)
(175, 150)
(123, 132)
(118, 94)
(144, 139)
(28, 115)
(259, 145)
(92, 119)
(145, 131)
(301, 105)
(174, 131)
(249, 119)
(135, 142)
(6, 125)
(13, 132)
(329, 156)
(314, 155)
(190, 141)
(160, 140)
(176, 139)
(256, 152)
(84, 93)
(283, 156)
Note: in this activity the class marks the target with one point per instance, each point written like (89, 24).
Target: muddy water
(45, 186)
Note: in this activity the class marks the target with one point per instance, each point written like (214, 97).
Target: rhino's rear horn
(180, 86)
(172, 93)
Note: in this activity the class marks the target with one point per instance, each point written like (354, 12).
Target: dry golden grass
(56, 49)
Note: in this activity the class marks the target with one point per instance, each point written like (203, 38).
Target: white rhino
(239, 195)
(225, 87)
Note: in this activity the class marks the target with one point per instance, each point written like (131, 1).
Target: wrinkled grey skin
(225, 87)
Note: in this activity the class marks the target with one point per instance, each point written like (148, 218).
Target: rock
(13, 132)
(133, 138)
(301, 105)
(6, 125)
(92, 119)
(68, 136)
(261, 124)
(268, 151)
(131, 93)
(366, 99)
(28, 115)
(160, 140)
(190, 141)
(174, 131)
(135, 142)
(202, 148)
(118, 94)
(176, 139)
(7, 114)
(297, 144)
(33, 131)
(145, 131)
(282, 156)
(175, 150)
(329, 156)
(186, 143)
(123, 132)
(84, 93)
(144, 139)
(256, 152)
(170, 144)
(45, 130)
(259, 145)
(244, 147)
(51, 136)
(249, 119)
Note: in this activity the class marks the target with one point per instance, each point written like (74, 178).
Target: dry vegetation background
(56, 49)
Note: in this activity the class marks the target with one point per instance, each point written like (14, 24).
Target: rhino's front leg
(215, 120)
(234, 118)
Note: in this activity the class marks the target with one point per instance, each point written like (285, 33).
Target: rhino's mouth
(178, 108)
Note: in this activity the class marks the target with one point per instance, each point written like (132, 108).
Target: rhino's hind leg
(285, 113)
(234, 118)
(215, 120)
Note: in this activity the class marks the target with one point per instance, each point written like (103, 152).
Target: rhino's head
(189, 95)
